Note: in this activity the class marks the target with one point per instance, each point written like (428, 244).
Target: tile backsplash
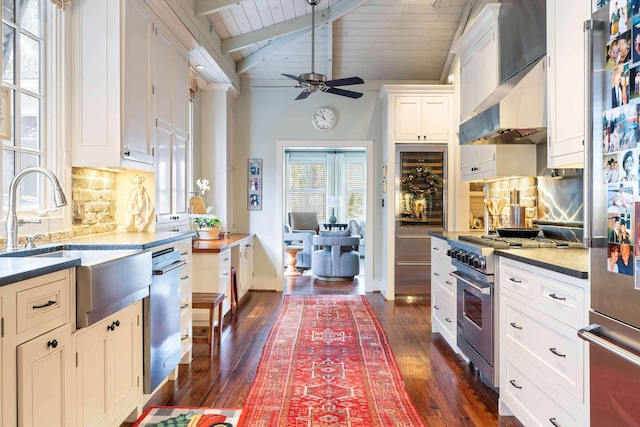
(94, 201)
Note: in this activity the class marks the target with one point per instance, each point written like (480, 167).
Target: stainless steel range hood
(515, 112)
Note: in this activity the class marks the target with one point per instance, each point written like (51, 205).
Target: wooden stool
(234, 291)
(209, 301)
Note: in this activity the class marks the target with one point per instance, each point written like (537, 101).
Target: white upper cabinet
(112, 99)
(488, 161)
(478, 52)
(565, 82)
(422, 119)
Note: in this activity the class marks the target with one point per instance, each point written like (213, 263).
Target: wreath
(421, 183)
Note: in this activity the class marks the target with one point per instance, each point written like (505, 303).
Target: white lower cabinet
(186, 310)
(543, 363)
(109, 369)
(212, 273)
(36, 351)
(443, 293)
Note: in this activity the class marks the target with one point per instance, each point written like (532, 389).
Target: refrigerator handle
(590, 334)
(590, 27)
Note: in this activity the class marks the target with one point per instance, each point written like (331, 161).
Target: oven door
(475, 318)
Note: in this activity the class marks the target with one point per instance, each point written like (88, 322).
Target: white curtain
(287, 206)
(337, 184)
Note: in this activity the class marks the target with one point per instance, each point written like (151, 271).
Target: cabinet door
(467, 84)
(92, 377)
(44, 372)
(565, 87)
(162, 79)
(435, 119)
(179, 173)
(181, 92)
(137, 85)
(164, 138)
(245, 267)
(125, 343)
(486, 66)
(408, 118)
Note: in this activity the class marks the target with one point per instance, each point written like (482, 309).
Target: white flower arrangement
(203, 185)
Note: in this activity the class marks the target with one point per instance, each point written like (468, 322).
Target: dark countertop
(569, 261)
(19, 265)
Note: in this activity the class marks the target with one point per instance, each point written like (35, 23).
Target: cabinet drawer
(561, 301)
(440, 275)
(516, 280)
(224, 261)
(43, 305)
(413, 248)
(553, 346)
(439, 246)
(444, 313)
(531, 402)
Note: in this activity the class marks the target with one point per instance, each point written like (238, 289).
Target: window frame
(307, 158)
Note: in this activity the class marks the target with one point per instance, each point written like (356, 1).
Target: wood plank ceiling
(385, 40)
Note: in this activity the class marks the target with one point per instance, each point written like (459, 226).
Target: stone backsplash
(528, 197)
(94, 201)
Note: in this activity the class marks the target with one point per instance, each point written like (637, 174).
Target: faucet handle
(22, 222)
(31, 244)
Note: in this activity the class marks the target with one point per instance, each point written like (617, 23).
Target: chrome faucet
(12, 218)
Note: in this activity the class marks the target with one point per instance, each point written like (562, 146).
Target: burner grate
(498, 242)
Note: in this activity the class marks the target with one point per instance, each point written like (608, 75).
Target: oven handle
(486, 290)
(590, 335)
(170, 267)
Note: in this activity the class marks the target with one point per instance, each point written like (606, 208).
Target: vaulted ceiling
(385, 40)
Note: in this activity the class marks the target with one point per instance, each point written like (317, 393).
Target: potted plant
(208, 226)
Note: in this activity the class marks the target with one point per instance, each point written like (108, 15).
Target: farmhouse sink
(107, 280)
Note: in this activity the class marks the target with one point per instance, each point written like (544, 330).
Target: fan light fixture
(314, 82)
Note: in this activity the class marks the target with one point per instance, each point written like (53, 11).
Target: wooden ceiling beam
(207, 7)
(262, 54)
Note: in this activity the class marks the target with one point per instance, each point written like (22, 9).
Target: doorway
(316, 199)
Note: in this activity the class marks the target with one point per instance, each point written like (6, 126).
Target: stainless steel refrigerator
(612, 210)
(420, 208)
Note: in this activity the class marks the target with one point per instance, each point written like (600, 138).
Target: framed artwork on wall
(254, 182)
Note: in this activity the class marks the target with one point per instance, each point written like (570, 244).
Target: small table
(292, 251)
(332, 226)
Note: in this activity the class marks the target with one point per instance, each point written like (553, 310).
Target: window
(307, 187)
(23, 72)
(356, 188)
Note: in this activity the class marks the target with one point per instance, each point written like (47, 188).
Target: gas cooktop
(498, 242)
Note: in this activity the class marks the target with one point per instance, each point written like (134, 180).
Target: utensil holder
(516, 216)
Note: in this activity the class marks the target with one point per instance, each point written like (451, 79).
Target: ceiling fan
(314, 82)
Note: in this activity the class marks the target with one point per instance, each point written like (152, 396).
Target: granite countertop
(21, 265)
(570, 261)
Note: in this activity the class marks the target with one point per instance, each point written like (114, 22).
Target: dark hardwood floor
(444, 389)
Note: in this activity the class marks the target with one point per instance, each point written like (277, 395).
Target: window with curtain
(24, 48)
(306, 187)
(356, 188)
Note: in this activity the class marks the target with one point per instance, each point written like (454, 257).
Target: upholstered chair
(304, 221)
(338, 257)
(300, 238)
(357, 229)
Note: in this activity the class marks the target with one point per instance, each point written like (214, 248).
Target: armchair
(337, 260)
(301, 238)
(304, 221)
(358, 229)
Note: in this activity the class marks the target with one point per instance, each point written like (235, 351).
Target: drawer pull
(435, 249)
(184, 277)
(514, 325)
(114, 325)
(448, 319)
(48, 304)
(184, 253)
(513, 383)
(554, 351)
(436, 307)
(184, 306)
(52, 344)
(448, 282)
(184, 337)
(514, 280)
(436, 274)
(225, 259)
(556, 297)
(554, 422)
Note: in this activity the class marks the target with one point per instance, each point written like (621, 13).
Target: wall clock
(324, 118)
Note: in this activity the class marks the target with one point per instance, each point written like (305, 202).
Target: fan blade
(304, 94)
(295, 78)
(343, 92)
(345, 82)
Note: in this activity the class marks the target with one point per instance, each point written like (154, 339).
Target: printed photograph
(620, 197)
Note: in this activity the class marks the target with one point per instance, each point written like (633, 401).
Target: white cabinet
(112, 100)
(479, 67)
(565, 86)
(245, 268)
(212, 273)
(492, 161)
(443, 293)
(422, 119)
(171, 101)
(543, 363)
(186, 289)
(109, 368)
(37, 351)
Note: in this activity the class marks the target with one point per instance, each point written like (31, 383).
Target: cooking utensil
(518, 232)
(501, 204)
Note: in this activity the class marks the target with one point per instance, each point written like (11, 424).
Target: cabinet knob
(127, 153)
(112, 326)
(52, 344)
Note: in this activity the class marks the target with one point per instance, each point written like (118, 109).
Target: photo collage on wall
(621, 136)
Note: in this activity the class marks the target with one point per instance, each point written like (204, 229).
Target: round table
(292, 251)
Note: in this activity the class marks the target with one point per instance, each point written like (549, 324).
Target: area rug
(180, 416)
(327, 363)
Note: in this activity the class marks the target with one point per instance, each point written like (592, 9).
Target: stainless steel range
(477, 318)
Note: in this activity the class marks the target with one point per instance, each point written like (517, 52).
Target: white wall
(265, 116)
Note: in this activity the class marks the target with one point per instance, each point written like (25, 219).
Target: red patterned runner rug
(327, 363)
